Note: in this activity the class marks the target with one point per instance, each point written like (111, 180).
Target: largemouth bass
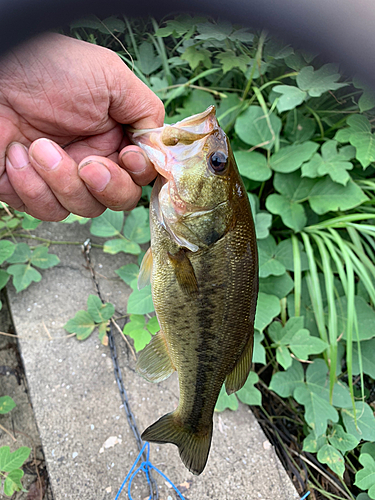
(203, 268)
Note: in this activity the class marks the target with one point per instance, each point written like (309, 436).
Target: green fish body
(203, 268)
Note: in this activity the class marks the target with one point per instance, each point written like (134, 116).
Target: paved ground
(78, 407)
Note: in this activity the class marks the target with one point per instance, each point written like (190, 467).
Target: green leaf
(224, 401)
(75, 218)
(285, 383)
(290, 97)
(268, 263)
(280, 286)
(29, 222)
(330, 162)
(341, 439)
(257, 129)
(111, 24)
(12, 482)
(82, 325)
(216, 31)
(10, 461)
(359, 135)
(140, 301)
(108, 224)
(304, 345)
(137, 226)
(312, 443)
(4, 277)
(298, 127)
(317, 409)
(41, 258)
(319, 81)
(153, 325)
(91, 22)
(120, 245)
(259, 352)
(284, 254)
(23, 275)
(333, 458)
(6, 404)
(128, 273)
(136, 322)
(327, 195)
(230, 60)
(196, 101)
(365, 318)
(148, 61)
(367, 357)
(363, 496)
(268, 307)
(223, 113)
(276, 49)
(284, 335)
(98, 311)
(369, 449)
(283, 356)
(21, 253)
(294, 187)
(180, 25)
(252, 165)
(367, 99)
(249, 394)
(135, 328)
(290, 158)
(194, 57)
(7, 249)
(365, 478)
(292, 213)
(365, 428)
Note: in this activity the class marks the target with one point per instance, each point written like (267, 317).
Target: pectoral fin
(145, 270)
(154, 362)
(236, 379)
(184, 272)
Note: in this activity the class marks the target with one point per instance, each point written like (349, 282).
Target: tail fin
(193, 447)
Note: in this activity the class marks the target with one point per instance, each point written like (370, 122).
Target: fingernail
(17, 155)
(45, 154)
(95, 175)
(135, 161)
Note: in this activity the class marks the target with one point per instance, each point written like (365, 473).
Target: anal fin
(237, 377)
(184, 272)
(154, 362)
(145, 270)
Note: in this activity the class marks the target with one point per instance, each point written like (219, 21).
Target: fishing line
(145, 467)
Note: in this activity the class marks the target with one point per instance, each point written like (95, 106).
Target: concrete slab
(78, 407)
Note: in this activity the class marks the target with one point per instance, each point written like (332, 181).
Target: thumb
(132, 102)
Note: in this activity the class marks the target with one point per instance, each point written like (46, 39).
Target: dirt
(18, 428)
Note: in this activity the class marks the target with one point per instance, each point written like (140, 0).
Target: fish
(203, 269)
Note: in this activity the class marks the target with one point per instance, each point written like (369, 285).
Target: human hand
(62, 145)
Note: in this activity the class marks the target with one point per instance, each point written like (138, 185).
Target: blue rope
(306, 495)
(145, 466)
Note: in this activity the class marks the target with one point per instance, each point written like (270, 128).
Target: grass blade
(314, 289)
(297, 276)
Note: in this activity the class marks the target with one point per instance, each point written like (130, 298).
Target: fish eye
(218, 162)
